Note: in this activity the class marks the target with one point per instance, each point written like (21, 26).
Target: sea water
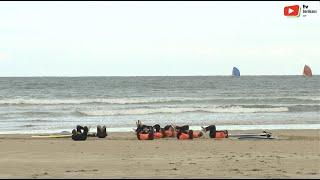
(55, 104)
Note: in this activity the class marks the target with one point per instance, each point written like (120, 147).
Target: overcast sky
(156, 38)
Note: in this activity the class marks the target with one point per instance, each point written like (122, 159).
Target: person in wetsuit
(184, 129)
(213, 131)
(144, 129)
(80, 133)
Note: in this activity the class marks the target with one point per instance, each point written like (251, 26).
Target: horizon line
(146, 76)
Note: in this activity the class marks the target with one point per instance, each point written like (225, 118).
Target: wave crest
(144, 111)
(155, 100)
(88, 101)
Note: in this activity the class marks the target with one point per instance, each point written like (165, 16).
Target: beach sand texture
(294, 154)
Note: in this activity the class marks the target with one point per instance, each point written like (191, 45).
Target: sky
(168, 38)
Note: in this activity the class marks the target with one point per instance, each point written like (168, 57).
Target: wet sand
(293, 154)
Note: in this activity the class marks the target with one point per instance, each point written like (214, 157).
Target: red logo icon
(292, 10)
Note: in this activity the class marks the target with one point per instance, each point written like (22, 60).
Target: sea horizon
(244, 75)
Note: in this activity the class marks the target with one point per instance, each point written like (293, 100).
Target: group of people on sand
(146, 132)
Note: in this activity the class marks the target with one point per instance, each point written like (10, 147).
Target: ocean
(55, 104)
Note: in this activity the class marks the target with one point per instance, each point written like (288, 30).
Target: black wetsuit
(212, 129)
(184, 129)
(80, 134)
(157, 128)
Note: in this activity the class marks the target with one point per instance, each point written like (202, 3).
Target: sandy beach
(293, 154)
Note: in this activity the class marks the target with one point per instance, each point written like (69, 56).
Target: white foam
(239, 109)
(142, 111)
(19, 101)
(84, 101)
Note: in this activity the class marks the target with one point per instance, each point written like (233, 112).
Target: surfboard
(255, 137)
(53, 136)
(264, 134)
(60, 135)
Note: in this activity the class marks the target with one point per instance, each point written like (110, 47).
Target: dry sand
(294, 154)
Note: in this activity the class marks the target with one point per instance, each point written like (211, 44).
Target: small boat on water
(307, 71)
(235, 72)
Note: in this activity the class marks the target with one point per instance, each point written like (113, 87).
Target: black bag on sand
(101, 131)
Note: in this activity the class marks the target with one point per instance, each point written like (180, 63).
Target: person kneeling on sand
(80, 133)
(183, 132)
(214, 133)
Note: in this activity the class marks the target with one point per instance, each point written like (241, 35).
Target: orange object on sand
(195, 134)
(144, 136)
(158, 135)
(184, 136)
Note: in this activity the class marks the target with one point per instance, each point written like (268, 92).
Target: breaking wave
(88, 101)
(151, 100)
(144, 111)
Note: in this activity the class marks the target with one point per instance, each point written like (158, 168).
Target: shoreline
(277, 134)
(268, 127)
(293, 154)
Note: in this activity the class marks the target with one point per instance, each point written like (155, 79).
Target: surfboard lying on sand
(263, 135)
(53, 136)
(255, 137)
(60, 135)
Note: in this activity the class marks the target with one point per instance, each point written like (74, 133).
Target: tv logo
(292, 10)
